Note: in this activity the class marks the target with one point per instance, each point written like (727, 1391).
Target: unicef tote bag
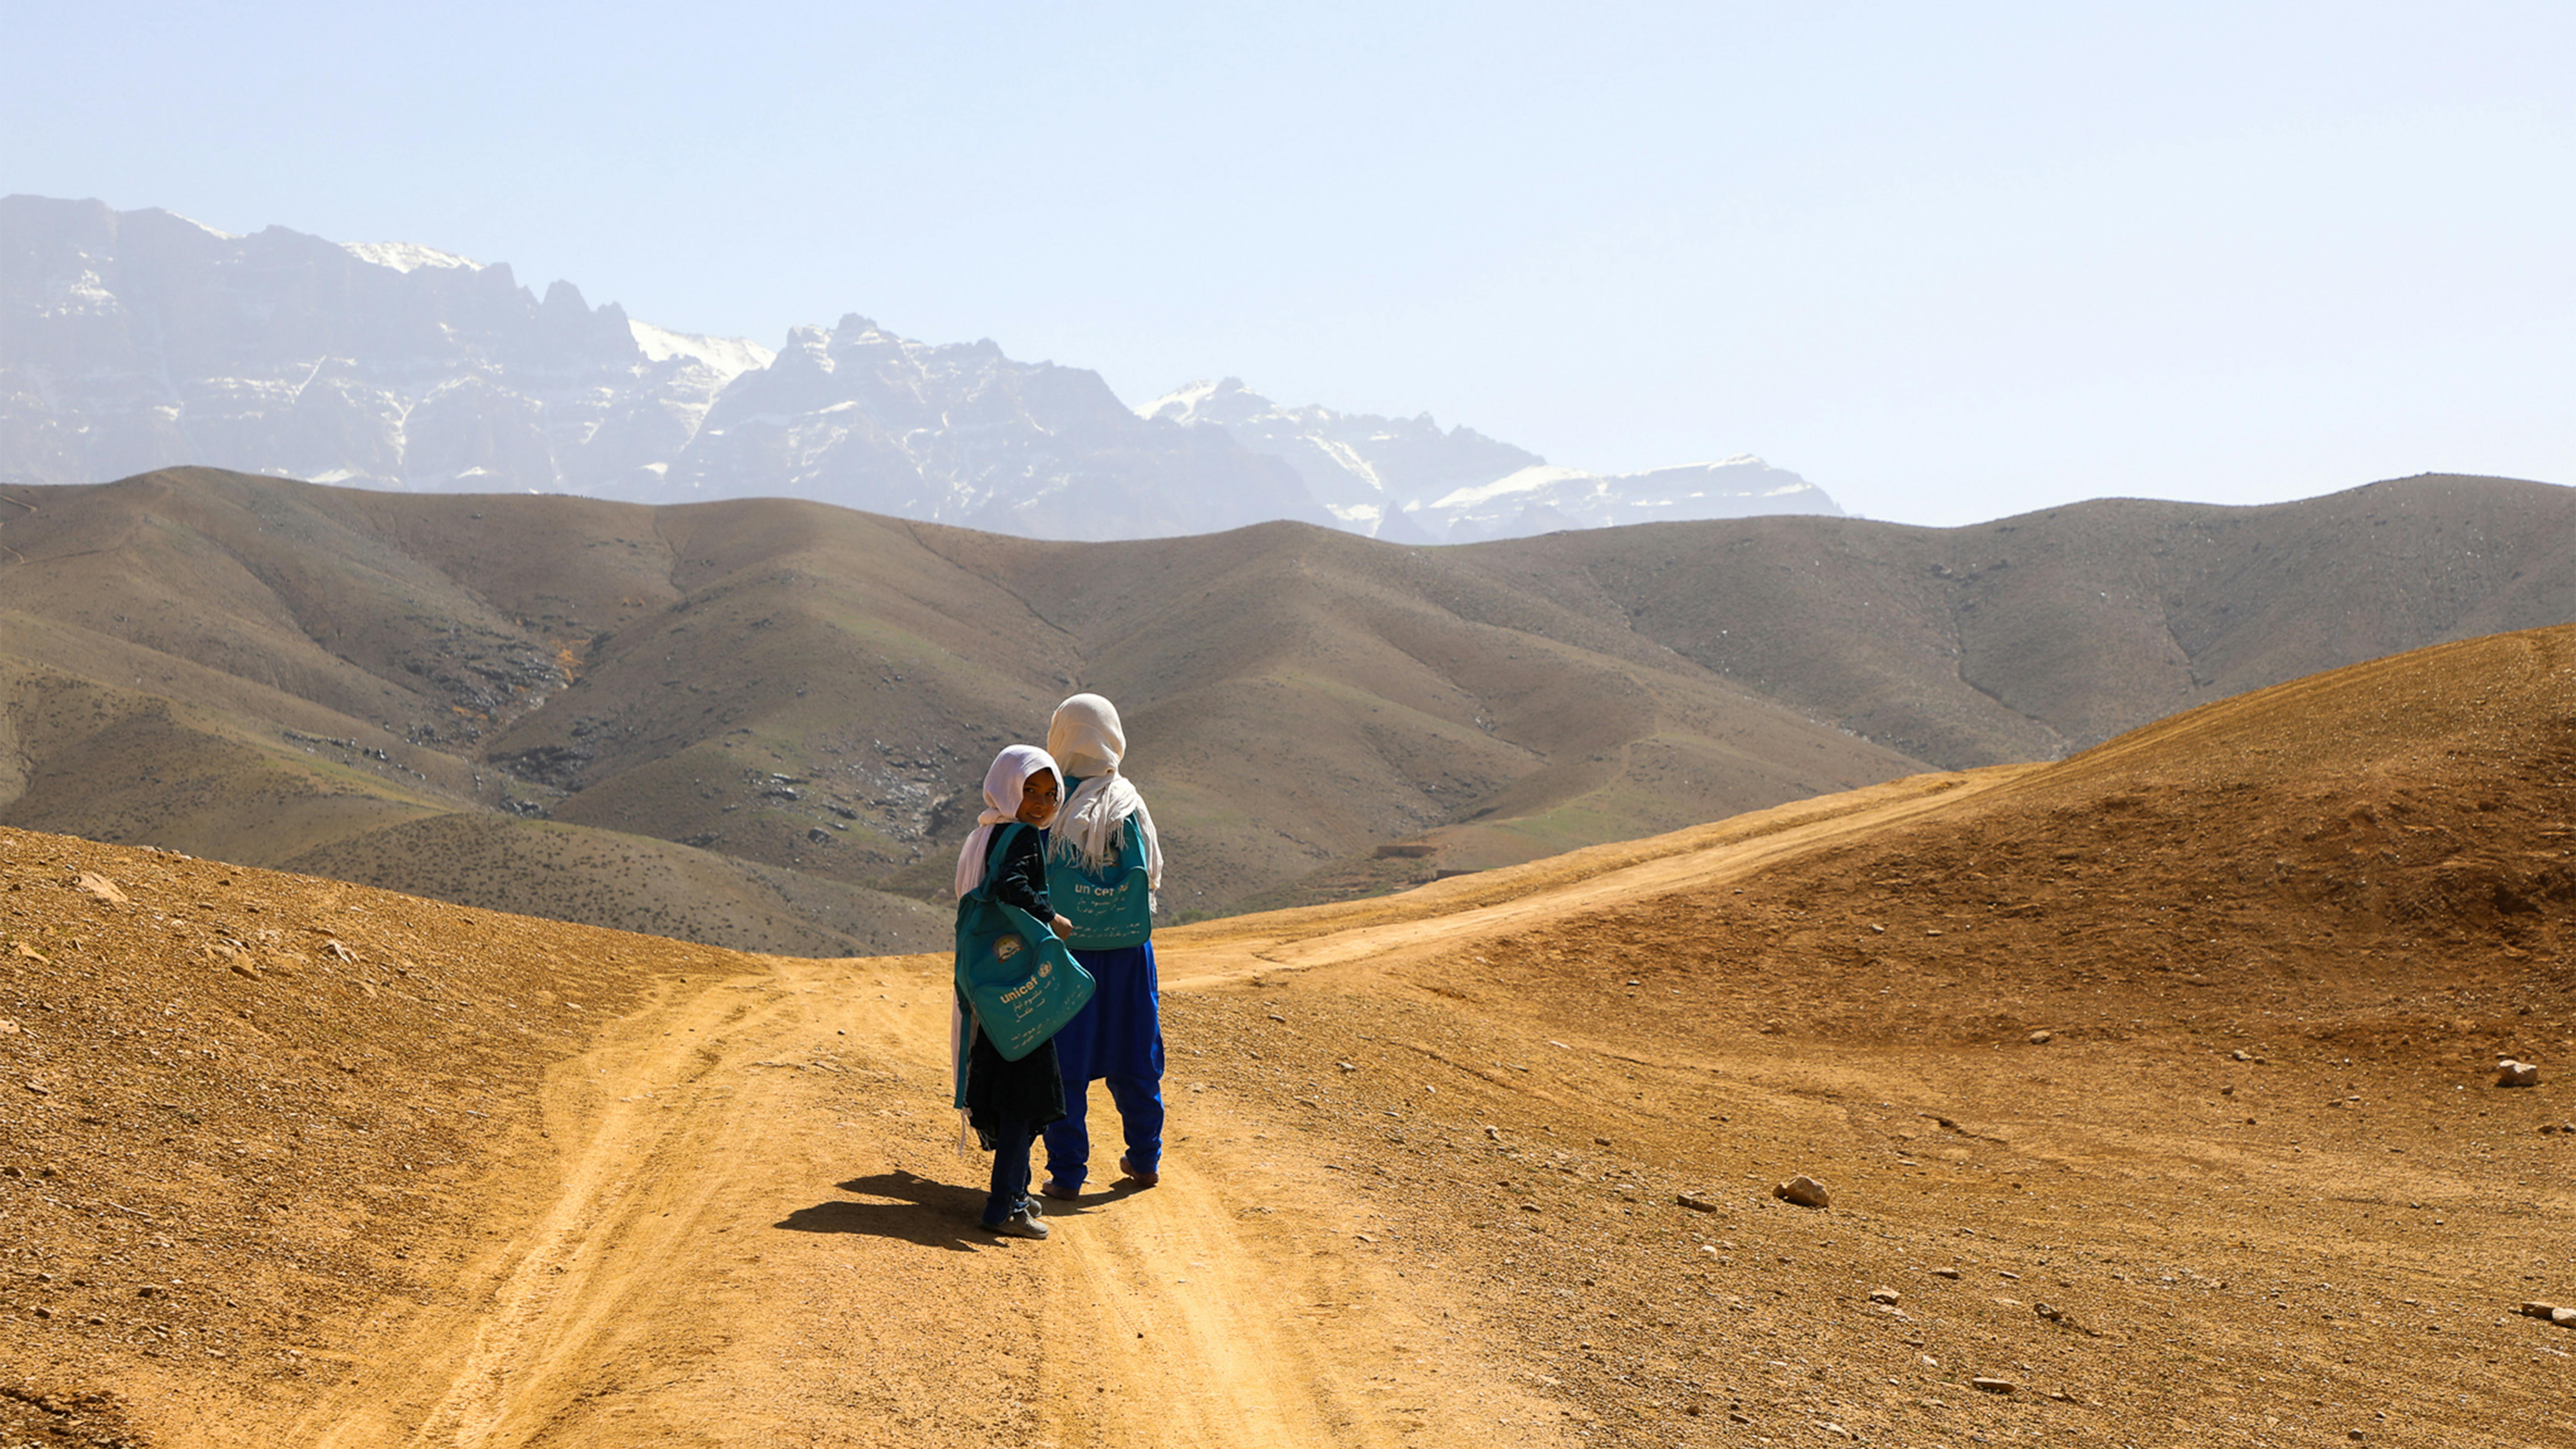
(1109, 908)
(1018, 979)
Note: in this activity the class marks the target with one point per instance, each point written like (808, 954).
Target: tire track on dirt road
(759, 1233)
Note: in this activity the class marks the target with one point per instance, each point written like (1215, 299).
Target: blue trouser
(1140, 1112)
(1010, 1172)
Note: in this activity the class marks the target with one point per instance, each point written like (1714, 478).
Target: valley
(2154, 1091)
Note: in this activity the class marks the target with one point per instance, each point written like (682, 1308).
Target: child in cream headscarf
(1103, 864)
(1008, 1102)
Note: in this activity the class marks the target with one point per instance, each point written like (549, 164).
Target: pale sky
(1948, 261)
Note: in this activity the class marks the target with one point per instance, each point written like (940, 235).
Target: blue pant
(1010, 1172)
(1140, 1112)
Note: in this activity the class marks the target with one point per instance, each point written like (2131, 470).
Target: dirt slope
(1486, 1160)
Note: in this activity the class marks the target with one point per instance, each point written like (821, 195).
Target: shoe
(1141, 1179)
(1058, 1191)
(1021, 1224)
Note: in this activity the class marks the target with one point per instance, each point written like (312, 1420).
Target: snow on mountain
(1367, 471)
(1544, 499)
(138, 340)
(401, 256)
(1404, 479)
(728, 357)
(960, 433)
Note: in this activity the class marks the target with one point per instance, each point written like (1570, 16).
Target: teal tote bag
(1016, 977)
(1109, 908)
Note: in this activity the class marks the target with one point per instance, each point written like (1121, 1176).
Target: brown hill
(2032, 636)
(291, 1161)
(783, 709)
(804, 689)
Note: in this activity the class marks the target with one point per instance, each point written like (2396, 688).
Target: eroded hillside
(761, 724)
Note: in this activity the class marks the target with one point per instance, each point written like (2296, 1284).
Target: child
(1008, 1102)
(1103, 865)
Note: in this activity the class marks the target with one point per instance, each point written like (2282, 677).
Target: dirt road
(759, 1236)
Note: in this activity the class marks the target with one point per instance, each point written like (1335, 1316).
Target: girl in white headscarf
(1104, 862)
(1007, 1103)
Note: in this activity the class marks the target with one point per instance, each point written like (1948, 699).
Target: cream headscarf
(1086, 736)
(1003, 784)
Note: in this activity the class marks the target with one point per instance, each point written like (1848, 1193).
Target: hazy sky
(1949, 261)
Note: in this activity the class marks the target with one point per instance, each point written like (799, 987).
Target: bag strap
(993, 852)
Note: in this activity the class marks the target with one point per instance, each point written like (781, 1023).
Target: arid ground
(2155, 1086)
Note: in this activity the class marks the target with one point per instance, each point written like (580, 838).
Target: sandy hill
(2153, 1090)
(761, 724)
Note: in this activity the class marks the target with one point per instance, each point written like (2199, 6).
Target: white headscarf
(1086, 735)
(1003, 784)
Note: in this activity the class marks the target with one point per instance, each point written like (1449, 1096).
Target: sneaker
(1141, 1179)
(1021, 1224)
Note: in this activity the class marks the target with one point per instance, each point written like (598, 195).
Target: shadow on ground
(910, 1208)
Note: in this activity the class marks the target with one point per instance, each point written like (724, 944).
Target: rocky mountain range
(1407, 481)
(136, 340)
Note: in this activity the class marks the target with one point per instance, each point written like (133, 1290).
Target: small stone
(1696, 1203)
(2563, 1317)
(1950, 1273)
(2040, 1038)
(40, 1089)
(1888, 1296)
(2049, 1311)
(10, 1028)
(2511, 1073)
(1991, 1386)
(1348, 1066)
(92, 883)
(2240, 1055)
(2538, 1310)
(1804, 1191)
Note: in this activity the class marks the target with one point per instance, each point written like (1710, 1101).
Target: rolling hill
(761, 723)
